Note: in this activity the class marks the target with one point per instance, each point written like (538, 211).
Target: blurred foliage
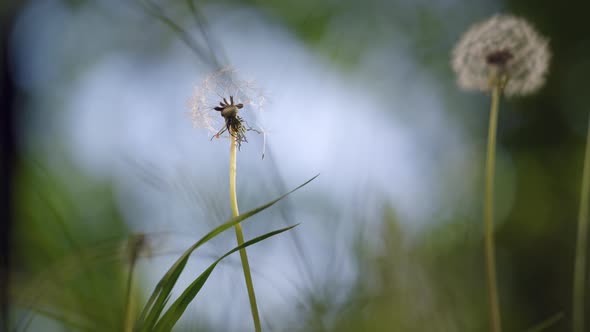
(68, 242)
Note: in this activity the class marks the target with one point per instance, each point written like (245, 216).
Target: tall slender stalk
(495, 321)
(240, 234)
(135, 245)
(129, 303)
(581, 247)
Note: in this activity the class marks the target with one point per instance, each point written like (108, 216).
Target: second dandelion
(503, 55)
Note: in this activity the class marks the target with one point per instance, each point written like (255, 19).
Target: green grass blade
(153, 9)
(156, 302)
(176, 310)
(547, 323)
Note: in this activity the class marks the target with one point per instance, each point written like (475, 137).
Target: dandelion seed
(217, 102)
(504, 50)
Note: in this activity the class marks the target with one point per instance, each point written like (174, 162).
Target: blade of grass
(581, 245)
(216, 54)
(157, 12)
(173, 314)
(67, 319)
(546, 323)
(156, 302)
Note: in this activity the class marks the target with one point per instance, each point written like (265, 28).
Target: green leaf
(157, 301)
(176, 310)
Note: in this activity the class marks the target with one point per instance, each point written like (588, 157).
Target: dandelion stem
(240, 234)
(495, 321)
(580, 262)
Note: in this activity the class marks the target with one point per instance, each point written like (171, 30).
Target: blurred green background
(359, 91)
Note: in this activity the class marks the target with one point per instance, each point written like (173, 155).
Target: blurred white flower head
(219, 99)
(505, 50)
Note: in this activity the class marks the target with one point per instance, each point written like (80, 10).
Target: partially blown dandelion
(216, 102)
(503, 50)
(220, 97)
(504, 55)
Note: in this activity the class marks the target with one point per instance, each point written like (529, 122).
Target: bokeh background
(96, 94)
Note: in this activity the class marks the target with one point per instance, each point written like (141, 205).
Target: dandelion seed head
(502, 47)
(216, 87)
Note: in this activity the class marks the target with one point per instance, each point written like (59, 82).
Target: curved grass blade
(153, 9)
(173, 314)
(155, 305)
(547, 323)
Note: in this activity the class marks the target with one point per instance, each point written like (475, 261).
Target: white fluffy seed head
(214, 88)
(502, 44)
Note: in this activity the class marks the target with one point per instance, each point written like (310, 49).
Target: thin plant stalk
(240, 234)
(580, 262)
(495, 321)
(129, 303)
(135, 245)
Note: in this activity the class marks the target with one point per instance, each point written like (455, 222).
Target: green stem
(240, 234)
(134, 245)
(129, 299)
(495, 321)
(580, 262)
